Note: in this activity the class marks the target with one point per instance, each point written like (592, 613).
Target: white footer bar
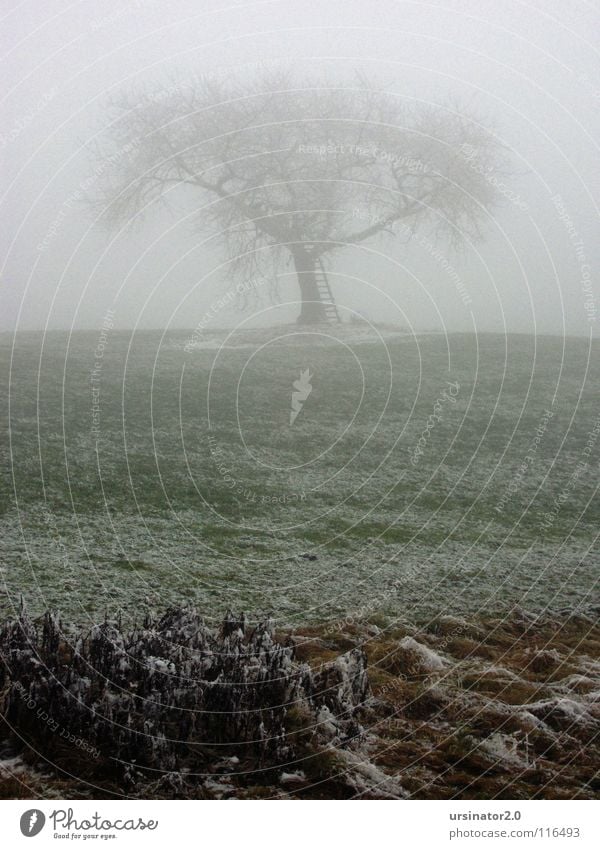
(301, 824)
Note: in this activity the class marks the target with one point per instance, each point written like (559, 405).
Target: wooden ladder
(325, 294)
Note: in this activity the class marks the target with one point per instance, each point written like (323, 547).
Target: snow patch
(368, 780)
(428, 660)
(504, 748)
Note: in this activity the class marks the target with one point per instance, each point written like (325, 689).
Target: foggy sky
(531, 69)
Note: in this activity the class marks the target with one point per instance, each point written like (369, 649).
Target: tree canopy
(301, 171)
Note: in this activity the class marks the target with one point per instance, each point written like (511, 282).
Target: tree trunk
(312, 310)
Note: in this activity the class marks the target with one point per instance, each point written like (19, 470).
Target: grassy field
(422, 474)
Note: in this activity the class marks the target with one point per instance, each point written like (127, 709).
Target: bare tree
(299, 172)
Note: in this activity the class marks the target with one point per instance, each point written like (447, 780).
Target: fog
(530, 70)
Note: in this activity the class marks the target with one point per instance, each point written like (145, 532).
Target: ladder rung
(326, 295)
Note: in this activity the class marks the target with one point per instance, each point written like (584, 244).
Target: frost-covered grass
(458, 708)
(196, 488)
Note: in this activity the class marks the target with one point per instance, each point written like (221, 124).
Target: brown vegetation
(494, 708)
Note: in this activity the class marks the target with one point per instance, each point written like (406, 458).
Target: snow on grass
(419, 657)
(143, 517)
(505, 748)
